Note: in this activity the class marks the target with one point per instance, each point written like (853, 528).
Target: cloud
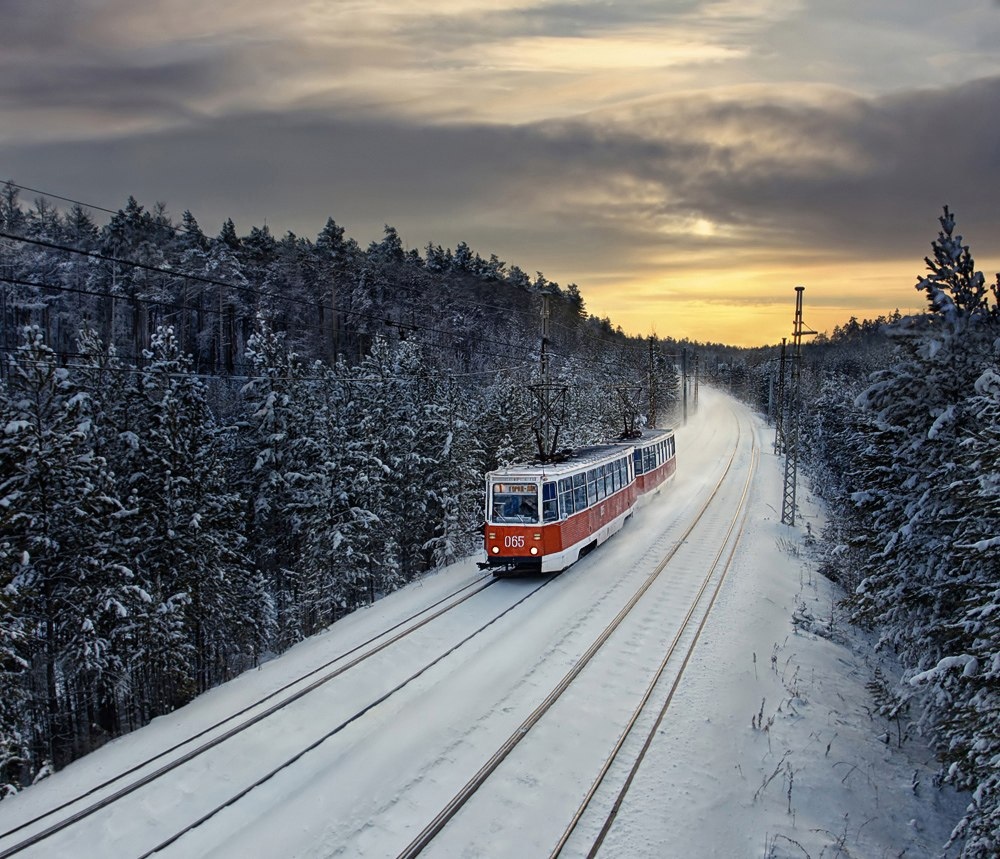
(76, 65)
(610, 144)
(682, 179)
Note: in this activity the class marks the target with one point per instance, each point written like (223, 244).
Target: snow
(771, 746)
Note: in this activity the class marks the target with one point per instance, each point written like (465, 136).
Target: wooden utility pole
(779, 412)
(653, 386)
(694, 400)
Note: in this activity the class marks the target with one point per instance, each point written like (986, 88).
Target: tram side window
(601, 488)
(591, 487)
(580, 491)
(550, 504)
(566, 496)
(637, 460)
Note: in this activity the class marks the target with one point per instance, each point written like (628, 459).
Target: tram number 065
(513, 542)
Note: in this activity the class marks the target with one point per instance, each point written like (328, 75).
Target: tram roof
(582, 458)
(648, 435)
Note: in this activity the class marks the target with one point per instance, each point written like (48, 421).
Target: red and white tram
(544, 516)
(655, 459)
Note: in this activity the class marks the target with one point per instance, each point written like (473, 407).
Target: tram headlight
(534, 550)
(496, 550)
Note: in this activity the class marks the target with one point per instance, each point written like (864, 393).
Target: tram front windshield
(515, 503)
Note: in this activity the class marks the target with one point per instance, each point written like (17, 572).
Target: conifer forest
(214, 446)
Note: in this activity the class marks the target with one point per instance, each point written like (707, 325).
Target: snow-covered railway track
(40, 827)
(711, 536)
(599, 808)
(364, 787)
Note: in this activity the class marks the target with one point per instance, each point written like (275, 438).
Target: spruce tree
(58, 535)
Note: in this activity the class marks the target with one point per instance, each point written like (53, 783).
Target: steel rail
(441, 819)
(83, 813)
(658, 676)
(316, 743)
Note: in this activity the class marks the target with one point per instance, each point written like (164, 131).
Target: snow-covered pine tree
(385, 406)
(664, 387)
(454, 478)
(273, 440)
(304, 511)
(110, 387)
(58, 533)
(203, 595)
(503, 421)
(15, 755)
(336, 259)
(971, 671)
(919, 404)
(325, 503)
(836, 449)
(929, 587)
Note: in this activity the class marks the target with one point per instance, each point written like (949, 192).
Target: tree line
(214, 447)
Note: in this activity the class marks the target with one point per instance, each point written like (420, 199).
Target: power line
(625, 343)
(256, 294)
(401, 286)
(214, 240)
(139, 371)
(70, 200)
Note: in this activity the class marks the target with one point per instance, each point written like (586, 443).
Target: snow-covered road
(371, 786)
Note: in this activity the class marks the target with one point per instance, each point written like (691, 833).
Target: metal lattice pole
(791, 432)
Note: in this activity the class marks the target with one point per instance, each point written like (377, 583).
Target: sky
(770, 747)
(687, 163)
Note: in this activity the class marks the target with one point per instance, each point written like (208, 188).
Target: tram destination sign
(516, 488)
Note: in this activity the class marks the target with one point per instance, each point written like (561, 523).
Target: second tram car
(543, 517)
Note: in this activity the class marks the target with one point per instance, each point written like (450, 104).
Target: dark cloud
(899, 159)
(110, 86)
(850, 179)
(42, 24)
